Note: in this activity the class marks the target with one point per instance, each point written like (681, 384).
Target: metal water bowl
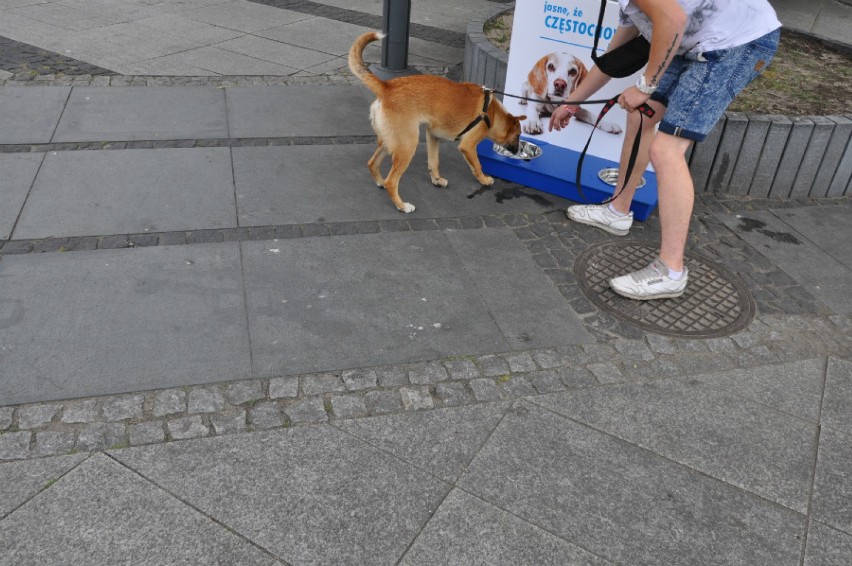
(527, 151)
(610, 177)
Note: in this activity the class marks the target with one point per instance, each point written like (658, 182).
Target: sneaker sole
(630, 295)
(603, 227)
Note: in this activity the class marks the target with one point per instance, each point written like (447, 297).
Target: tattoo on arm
(665, 59)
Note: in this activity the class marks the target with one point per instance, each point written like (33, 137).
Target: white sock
(617, 213)
(675, 275)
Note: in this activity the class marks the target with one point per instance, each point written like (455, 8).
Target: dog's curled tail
(357, 65)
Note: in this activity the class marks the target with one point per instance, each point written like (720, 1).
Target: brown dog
(446, 108)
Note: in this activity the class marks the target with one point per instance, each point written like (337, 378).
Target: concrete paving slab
(275, 52)
(622, 502)
(304, 33)
(832, 22)
(127, 42)
(467, 530)
(437, 53)
(308, 183)
(80, 324)
(795, 388)
(527, 307)
(32, 32)
(823, 276)
(310, 495)
(827, 546)
(361, 301)
(153, 113)
(64, 16)
(797, 15)
(79, 193)
(80, 15)
(239, 15)
(299, 111)
(739, 442)
(441, 442)
(9, 4)
(19, 172)
(443, 14)
(218, 61)
(832, 498)
(117, 12)
(199, 32)
(826, 226)
(20, 481)
(170, 65)
(464, 194)
(331, 183)
(837, 402)
(30, 115)
(101, 513)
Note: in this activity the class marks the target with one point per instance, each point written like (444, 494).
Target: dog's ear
(538, 76)
(581, 73)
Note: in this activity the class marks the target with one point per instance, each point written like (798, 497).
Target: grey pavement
(220, 343)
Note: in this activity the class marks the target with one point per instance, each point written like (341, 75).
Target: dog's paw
(440, 182)
(533, 127)
(610, 127)
(407, 207)
(487, 180)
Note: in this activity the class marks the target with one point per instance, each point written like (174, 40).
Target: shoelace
(650, 271)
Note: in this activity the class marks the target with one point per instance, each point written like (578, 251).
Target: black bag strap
(644, 110)
(598, 31)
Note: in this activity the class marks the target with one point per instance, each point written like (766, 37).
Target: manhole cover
(716, 302)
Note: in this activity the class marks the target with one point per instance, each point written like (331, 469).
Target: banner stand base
(554, 171)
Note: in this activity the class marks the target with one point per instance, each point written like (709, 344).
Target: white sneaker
(652, 282)
(601, 216)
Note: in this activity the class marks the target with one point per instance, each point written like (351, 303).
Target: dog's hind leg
(375, 163)
(467, 146)
(401, 156)
(432, 150)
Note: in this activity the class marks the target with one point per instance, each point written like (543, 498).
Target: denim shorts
(696, 89)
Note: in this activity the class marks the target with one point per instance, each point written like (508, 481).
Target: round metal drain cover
(716, 302)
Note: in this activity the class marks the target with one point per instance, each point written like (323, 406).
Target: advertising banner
(549, 56)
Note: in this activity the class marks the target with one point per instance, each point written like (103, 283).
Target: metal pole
(395, 44)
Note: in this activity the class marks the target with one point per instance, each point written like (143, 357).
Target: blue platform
(554, 172)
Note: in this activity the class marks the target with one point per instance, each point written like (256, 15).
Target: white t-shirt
(711, 24)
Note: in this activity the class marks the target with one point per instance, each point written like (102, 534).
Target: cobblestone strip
(187, 143)
(23, 60)
(98, 423)
(249, 233)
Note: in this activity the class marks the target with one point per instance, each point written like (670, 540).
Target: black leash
(644, 110)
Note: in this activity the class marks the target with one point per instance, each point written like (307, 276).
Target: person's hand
(632, 98)
(561, 116)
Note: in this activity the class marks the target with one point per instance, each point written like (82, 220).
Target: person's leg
(676, 196)
(620, 221)
(622, 202)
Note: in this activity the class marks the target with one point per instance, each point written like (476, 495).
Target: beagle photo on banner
(549, 57)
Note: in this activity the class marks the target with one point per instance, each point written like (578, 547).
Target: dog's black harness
(482, 115)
